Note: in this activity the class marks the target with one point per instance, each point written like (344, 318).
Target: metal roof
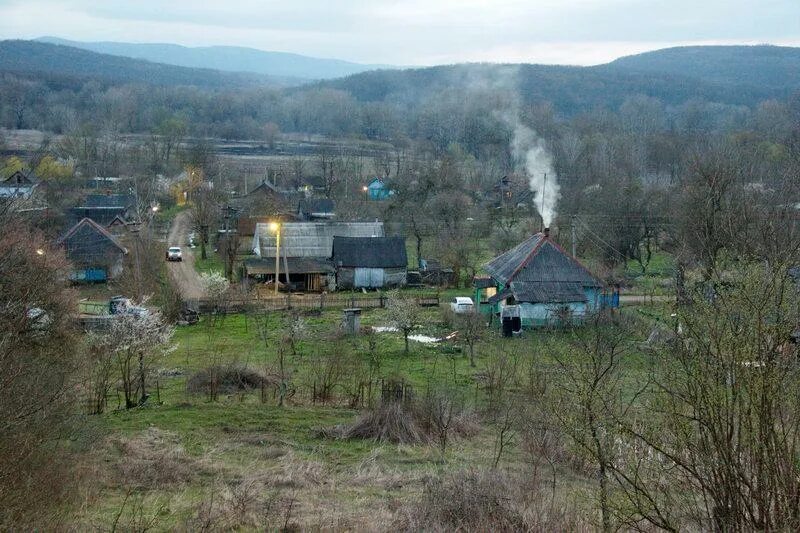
(538, 259)
(548, 292)
(316, 206)
(297, 265)
(109, 200)
(370, 252)
(310, 239)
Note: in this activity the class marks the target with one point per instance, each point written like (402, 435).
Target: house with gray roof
(306, 249)
(316, 209)
(94, 253)
(538, 282)
(370, 262)
(18, 185)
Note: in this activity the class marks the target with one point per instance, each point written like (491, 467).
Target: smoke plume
(532, 157)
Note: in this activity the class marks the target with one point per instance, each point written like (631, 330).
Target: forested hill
(777, 67)
(736, 75)
(225, 58)
(47, 60)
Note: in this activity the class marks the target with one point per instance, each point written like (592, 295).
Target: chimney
(547, 233)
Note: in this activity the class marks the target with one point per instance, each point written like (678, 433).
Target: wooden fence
(307, 302)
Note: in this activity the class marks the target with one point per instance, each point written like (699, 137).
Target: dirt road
(183, 273)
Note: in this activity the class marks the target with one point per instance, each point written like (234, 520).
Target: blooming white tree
(216, 287)
(137, 341)
(403, 314)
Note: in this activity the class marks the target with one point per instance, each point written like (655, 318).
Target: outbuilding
(370, 262)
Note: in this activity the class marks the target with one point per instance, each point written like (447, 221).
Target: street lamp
(276, 227)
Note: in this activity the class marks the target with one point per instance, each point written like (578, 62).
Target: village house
(95, 254)
(305, 248)
(538, 283)
(104, 208)
(369, 262)
(18, 185)
(377, 190)
(316, 209)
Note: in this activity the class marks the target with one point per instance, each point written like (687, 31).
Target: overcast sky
(416, 32)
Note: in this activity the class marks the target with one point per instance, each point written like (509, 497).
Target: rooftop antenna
(544, 188)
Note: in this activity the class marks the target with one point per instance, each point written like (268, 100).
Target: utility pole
(574, 231)
(277, 255)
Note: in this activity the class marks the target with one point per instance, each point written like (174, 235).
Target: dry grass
(155, 459)
(486, 500)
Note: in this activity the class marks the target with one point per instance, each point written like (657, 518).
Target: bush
(227, 380)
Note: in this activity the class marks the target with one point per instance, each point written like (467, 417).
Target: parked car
(462, 305)
(119, 305)
(174, 254)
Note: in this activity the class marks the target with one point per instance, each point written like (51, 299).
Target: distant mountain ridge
(735, 75)
(775, 66)
(226, 58)
(31, 57)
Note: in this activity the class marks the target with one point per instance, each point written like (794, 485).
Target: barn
(539, 283)
(370, 262)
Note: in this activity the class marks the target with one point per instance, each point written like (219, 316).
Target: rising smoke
(532, 157)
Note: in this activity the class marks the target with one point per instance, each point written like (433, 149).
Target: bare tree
(38, 374)
(588, 401)
(471, 328)
(204, 212)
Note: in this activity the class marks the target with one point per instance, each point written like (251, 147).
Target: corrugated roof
(108, 200)
(101, 215)
(297, 265)
(503, 267)
(538, 259)
(482, 282)
(548, 292)
(370, 252)
(313, 206)
(311, 239)
(91, 225)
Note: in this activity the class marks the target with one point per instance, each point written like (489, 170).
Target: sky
(416, 32)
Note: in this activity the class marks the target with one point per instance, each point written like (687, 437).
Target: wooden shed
(370, 262)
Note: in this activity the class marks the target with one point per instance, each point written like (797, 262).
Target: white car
(462, 305)
(174, 254)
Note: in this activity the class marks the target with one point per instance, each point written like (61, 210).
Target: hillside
(35, 58)
(575, 89)
(777, 67)
(225, 58)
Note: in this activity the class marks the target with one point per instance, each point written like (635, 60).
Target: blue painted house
(377, 190)
(538, 283)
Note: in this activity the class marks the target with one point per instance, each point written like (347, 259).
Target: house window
(491, 291)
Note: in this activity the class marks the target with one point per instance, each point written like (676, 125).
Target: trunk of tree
(472, 355)
(142, 380)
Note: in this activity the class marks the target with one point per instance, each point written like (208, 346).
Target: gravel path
(183, 273)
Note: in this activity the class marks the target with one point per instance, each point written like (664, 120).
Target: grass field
(167, 461)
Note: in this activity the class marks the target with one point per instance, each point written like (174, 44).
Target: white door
(369, 277)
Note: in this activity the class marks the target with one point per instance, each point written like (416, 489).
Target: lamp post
(276, 227)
